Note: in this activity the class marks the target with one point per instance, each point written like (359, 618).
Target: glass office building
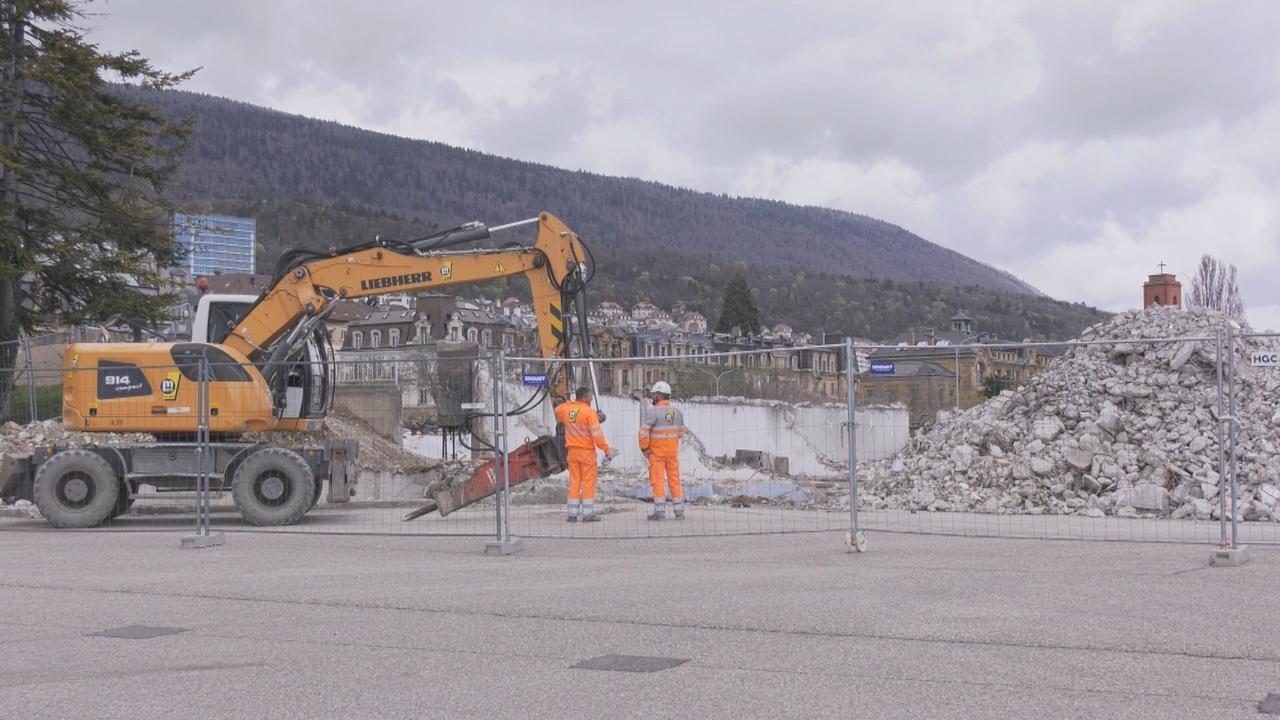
(216, 244)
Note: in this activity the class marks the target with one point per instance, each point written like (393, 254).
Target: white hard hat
(661, 387)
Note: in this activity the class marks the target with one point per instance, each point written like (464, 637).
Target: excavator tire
(123, 504)
(273, 486)
(76, 489)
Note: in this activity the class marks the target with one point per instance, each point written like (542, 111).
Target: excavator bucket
(537, 459)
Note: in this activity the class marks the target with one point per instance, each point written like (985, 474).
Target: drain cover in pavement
(1270, 705)
(630, 663)
(138, 632)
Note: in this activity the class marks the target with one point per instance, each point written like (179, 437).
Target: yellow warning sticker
(169, 386)
(499, 268)
(446, 271)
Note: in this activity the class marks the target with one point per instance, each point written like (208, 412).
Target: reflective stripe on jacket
(581, 426)
(661, 429)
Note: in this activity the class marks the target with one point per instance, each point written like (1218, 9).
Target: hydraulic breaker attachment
(537, 459)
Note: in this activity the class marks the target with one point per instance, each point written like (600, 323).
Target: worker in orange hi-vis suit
(582, 435)
(660, 433)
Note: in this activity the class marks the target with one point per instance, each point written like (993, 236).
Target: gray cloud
(1075, 144)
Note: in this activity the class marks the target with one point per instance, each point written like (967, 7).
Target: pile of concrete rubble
(1127, 427)
(22, 439)
(377, 452)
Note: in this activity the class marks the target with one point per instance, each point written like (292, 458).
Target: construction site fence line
(663, 358)
(79, 333)
(873, 347)
(720, 427)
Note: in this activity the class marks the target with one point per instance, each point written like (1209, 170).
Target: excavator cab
(302, 394)
(216, 316)
(304, 390)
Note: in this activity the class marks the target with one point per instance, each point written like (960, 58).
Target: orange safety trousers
(664, 472)
(582, 473)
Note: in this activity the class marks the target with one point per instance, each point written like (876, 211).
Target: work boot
(657, 516)
(679, 514)
(590, 518)
(573, 518)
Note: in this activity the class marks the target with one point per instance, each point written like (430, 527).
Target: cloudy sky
(1075, 144)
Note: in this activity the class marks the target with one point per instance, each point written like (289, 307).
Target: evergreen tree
(82, 224)
(739, 308)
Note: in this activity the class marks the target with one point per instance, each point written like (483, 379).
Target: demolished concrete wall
(377, 404)
(813, 438)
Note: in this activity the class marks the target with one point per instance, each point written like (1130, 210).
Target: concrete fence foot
(195, 542)
(499, 547)
(1229, 557)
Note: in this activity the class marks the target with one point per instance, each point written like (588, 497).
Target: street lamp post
(717, 376)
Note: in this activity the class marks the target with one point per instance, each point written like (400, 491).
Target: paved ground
(622, 519)
(286, 626)
(626, 519)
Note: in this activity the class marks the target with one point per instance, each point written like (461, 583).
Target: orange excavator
(271, 368)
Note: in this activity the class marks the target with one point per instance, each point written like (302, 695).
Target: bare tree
(1214, 287)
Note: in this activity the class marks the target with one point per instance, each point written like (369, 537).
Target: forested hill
(320, 184)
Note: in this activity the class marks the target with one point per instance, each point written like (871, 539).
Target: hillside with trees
(318, 184)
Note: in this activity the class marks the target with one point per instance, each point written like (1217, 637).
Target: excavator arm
(303, 294)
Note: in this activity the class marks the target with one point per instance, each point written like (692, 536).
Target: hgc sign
(1265, 359)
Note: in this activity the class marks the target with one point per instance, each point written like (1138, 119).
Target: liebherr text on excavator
(271, 369)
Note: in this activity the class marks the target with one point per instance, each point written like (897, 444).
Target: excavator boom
(303, 294)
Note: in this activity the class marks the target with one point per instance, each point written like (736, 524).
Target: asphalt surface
(625, 519)
(289, 626)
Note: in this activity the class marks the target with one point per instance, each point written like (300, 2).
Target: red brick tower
(1162, 289)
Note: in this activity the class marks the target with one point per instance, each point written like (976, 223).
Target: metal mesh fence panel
(1123, 438)
(1254, 446)
(118, 452)
(764, 447)
(400, 429)
(405, 424)
(1101, 439)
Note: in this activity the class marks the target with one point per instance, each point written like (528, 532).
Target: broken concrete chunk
(1136, 390)
(1046, 429)
(1110, 422)
(1269, 495)
(962, 457)
(1079, 458)
(1183, 354)
(1146, 496)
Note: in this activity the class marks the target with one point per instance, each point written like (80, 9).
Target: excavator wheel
(76, 489)
(123, 503)
(273, 486)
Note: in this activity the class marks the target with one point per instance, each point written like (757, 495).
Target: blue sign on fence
(535, 378)
(882, 368)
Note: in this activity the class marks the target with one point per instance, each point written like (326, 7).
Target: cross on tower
(1161, 268)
